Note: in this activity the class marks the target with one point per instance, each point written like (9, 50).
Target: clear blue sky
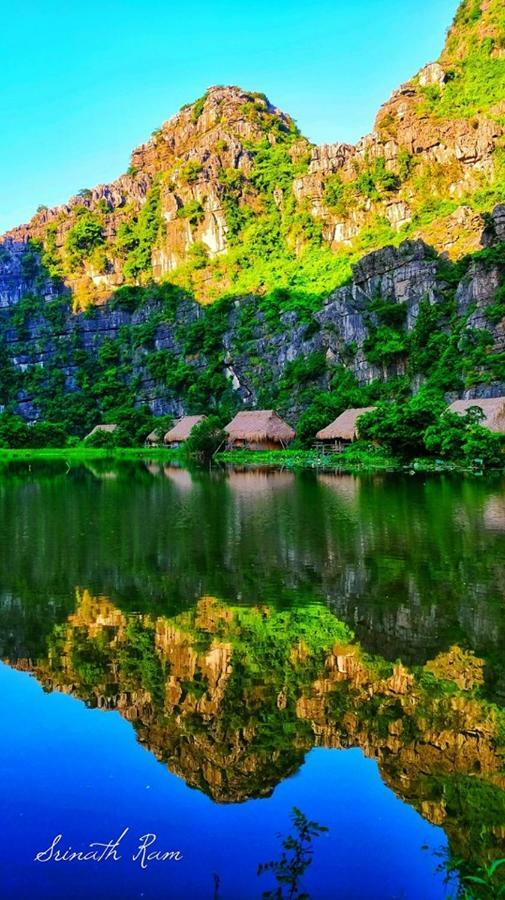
(84, 83)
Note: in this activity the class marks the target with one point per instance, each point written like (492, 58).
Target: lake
(187, 656)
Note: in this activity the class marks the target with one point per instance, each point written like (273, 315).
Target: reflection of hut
(494, 514)
(260, 429)
(154, 469)
(254, 483)
(493, 409)
(154, 438)
(182, 429)
(107, 429)
(346, 487)
(180, 477)
(343, 429)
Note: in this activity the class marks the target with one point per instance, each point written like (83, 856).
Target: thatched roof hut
(182, 429)
(154, 437)
(344, 427)
(492, 407)
(259, 428)
(109, 429)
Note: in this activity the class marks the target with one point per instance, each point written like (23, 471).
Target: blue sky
(84, 83)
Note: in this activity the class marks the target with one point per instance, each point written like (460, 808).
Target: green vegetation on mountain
(230, 231)
(264, 681)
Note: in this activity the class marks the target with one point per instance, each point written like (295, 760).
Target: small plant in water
(296, 857)
(476, 883)
(486, 882)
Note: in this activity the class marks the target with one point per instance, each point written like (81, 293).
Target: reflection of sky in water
(413, 565)
(79, 772)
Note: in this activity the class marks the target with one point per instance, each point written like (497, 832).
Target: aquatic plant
(297, 855)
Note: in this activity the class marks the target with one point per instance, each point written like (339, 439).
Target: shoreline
(345, 462)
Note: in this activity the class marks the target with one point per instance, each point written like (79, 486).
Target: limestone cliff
(232, 699)
(231, 170)
(228, 202)
(174, 356)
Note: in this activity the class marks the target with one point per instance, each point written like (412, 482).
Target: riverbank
(87, 453)
(348, 460)
(352, 460)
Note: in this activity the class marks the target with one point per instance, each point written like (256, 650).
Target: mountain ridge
(232, 171)
(236, 265)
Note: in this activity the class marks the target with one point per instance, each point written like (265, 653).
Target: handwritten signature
(103, 851)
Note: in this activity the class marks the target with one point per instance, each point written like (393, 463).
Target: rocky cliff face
(431, 167)
(228, 199)
(233, 708)
(175, 356)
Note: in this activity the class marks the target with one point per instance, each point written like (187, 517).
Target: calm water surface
(194, 654)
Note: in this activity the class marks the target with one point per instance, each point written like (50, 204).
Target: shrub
(400, 427)
(205, 438)
(84, 237)
(198, 255)
(193, 210)
(463, 439)
(142, 236)
(335, 194)
(190, 171)
(197, 110)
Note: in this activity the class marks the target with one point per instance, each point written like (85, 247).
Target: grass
(354, 459)
(349, 460)
(85, 453)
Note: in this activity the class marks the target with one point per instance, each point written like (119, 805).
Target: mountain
(228, 204)
(230, 180)
(177, 680)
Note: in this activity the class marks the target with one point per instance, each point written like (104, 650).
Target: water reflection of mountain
(412, 563)
(232, 698)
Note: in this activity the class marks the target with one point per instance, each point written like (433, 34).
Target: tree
(464, 439)
(205, 438)
(400, 426)
(84, 237)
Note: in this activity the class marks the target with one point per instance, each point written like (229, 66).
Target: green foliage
(476, 77)
(405, 163)
(189, 172)
(30, 262)
(400, 427)
(15, 433)
(138, 239)
(105, 440)
(232, 182)
(496, 311)
(463, 439)
(197, 108)
(205, 438)
(84, 237)
(335, 194)
(297, 856)
(326, 405)
(198, 255)
(193, 210)
(486, 882)
(386, 340)
(139, 662)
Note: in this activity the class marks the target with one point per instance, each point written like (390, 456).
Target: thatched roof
(154, 437)
(259, 425)
(344, 427)
(182, 429)
(108, 428)
(492, 407)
